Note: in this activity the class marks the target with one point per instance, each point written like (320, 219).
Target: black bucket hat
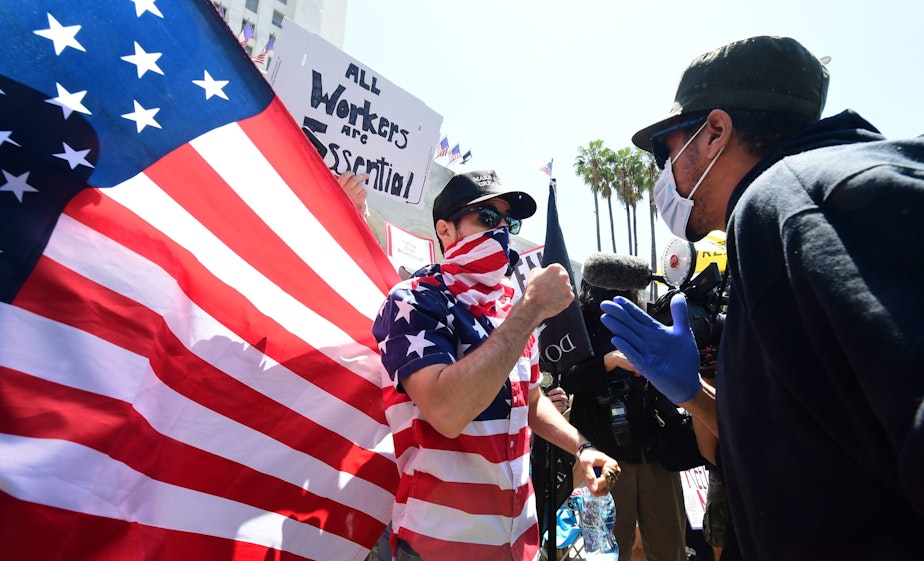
(774, 74)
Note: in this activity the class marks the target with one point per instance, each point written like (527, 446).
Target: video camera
(706, 295)
(614, 398)
(604, 273)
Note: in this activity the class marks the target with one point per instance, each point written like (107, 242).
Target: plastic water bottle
(598, 514)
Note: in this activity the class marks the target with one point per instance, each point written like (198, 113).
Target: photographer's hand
(667, 356)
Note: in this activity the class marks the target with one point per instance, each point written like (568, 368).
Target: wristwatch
(581, 448)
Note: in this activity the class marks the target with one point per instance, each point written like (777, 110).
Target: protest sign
(358, 120)
(407, 250)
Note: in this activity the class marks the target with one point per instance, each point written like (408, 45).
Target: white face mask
(674, 208)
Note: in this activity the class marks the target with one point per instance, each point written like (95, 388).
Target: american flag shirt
(468, 497)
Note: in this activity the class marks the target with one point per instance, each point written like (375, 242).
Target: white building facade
(326, 18)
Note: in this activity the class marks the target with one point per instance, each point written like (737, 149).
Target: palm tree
(607, 189)
(640, 181)
(625, 165)
(590, 166)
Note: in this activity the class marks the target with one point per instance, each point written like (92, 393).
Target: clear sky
(520, 82)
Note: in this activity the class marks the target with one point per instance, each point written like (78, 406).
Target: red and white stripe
(189, 372)
(470, 270)
(469, 497)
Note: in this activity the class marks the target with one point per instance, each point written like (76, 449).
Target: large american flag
(186, 296)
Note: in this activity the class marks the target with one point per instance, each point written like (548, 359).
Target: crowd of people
(814, 423)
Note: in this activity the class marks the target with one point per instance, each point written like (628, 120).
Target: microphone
(617, 272)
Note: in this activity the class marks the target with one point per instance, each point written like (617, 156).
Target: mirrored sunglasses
(489, 217)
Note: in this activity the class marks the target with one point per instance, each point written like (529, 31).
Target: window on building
(283, 1)
(277, 18)
(252, 5)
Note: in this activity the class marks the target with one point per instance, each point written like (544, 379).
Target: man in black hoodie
(820, 380)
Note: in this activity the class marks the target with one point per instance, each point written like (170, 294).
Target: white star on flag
(73, 157)
(17, 184)
(404, 310)
(143, 117)
(69, 102)
(62, 37)
(477, 327)
(5, 137)
(142, 6)
(144, 60)
(212, 86)
(417, 344)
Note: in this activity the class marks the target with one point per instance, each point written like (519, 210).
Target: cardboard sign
(695, 484)
(358, 120)
(407, 250)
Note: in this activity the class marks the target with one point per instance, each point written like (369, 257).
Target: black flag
(563, 339)
(563, 342)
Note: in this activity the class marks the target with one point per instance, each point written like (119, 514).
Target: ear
(718, 131)
(446, 232)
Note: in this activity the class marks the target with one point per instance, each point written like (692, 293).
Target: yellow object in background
(711, 249)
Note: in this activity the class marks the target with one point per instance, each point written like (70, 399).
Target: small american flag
(443, 147)
(245, 35)
(547, 169)
(455, 154)
(261, 58)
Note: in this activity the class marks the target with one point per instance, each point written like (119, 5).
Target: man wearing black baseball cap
(472, 191)
(820, 379)
(465, 361)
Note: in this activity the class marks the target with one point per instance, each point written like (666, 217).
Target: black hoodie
(821, 373)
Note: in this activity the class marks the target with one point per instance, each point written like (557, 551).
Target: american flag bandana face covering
(474, 271)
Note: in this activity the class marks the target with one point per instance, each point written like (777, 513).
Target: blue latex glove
(667, 356)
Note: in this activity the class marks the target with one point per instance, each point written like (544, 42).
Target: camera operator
(619, 413)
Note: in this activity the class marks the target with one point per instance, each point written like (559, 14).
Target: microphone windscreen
(616, 272)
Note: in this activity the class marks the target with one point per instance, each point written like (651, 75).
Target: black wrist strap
(581, 448)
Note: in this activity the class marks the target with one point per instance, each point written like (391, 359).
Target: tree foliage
(628, 173)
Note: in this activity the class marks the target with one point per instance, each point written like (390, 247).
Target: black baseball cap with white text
(470, 188)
